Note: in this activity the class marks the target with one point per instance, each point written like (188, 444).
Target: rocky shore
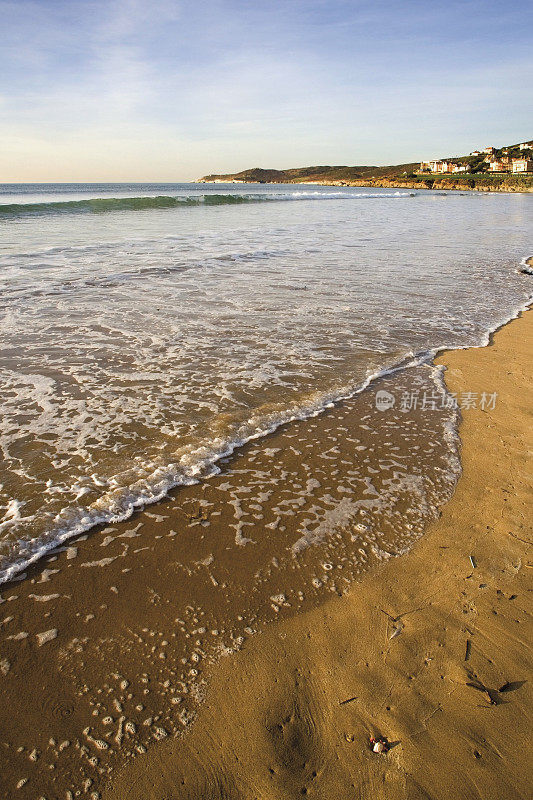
(510, 183)
(447, 184)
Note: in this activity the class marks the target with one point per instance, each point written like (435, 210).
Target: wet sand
(110, 644)
(291, 714)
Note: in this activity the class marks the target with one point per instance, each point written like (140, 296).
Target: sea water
(147, 330)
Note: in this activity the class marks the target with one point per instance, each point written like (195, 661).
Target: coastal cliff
(510, 183)
(482, 183)
(400, 176)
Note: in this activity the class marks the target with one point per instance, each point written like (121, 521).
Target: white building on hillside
(443, 167)
(500, 165)
(522, 165)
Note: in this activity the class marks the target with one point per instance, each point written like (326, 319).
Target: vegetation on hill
(396, 175)
(477, 163)
(314, 174)
(505, 182)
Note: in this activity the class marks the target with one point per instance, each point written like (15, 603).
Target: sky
(169, 90)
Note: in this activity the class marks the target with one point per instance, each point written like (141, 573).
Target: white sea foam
(139, 350)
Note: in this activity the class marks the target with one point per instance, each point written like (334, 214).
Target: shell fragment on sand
(46, 636)
(397, 630)
(379, 744)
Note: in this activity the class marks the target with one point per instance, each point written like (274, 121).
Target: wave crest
(99, 205)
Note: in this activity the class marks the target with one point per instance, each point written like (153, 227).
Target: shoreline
(294, 709)
(433, 184)
(17, 571)
(78, 648)
(108, 640)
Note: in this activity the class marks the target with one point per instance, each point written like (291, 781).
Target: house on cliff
(500, 165)
(522, 165)
(440, 166)
(443, 167)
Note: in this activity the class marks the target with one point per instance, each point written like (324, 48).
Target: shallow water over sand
(140, 346)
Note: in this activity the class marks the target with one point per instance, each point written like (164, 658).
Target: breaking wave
(100, 205)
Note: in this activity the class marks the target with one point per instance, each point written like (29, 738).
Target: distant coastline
(463, 183)
(507, 169)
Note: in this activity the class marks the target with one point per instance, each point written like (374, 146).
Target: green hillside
(478, 168)
(315, 174)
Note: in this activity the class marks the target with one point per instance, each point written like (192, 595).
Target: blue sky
(173, 89)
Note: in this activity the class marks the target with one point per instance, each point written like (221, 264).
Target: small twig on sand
(349, 700)
(525, 541)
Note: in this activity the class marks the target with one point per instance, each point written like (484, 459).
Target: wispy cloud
(174, 88)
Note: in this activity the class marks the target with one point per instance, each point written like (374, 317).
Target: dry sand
(291, 714)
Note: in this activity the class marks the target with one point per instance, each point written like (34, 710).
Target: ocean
(149, 330)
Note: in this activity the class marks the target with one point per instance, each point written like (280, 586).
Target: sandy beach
(431, 652)
(266, 434)
(113, 642)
